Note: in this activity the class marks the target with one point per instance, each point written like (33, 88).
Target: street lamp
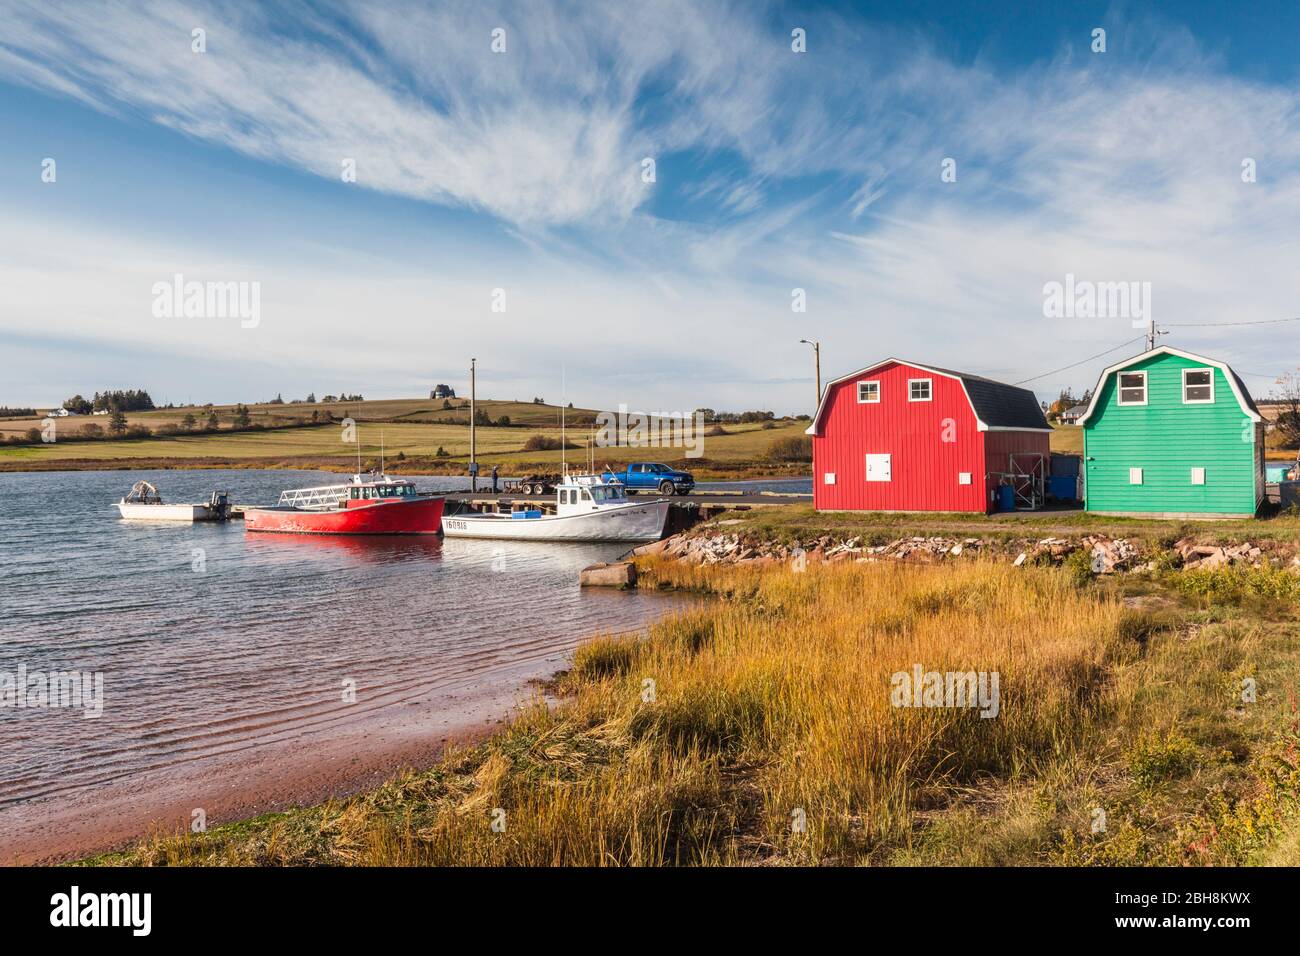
(817, 358)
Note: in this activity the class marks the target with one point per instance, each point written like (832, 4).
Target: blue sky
(522, 171)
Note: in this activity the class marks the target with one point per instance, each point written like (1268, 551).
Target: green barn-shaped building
(1172, 434)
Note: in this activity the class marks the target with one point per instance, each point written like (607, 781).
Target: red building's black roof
(999, 405)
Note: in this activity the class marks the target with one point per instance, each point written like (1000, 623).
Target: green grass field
(411, 432)
(273, 415)
(1067, 439)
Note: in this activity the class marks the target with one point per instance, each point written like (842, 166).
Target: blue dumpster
(1063, 487)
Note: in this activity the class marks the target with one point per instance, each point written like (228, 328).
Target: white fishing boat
(145, 504)
(588, 508)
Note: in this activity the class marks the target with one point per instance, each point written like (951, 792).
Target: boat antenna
(564, 463)
(381, 452)
(354, 438)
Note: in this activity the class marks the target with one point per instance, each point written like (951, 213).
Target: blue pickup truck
(652, 476)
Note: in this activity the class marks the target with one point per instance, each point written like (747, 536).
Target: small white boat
(588, 508)
(145, 504)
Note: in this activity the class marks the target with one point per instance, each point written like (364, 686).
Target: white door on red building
(879, 468)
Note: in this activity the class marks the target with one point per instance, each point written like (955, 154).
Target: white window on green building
(1198, 386)
(1132, 388)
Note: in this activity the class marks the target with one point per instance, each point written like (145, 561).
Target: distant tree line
(125, 400)
(7, 412)
(239, 419)
(734, 418)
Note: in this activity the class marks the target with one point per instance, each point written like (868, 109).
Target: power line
(1139, 338)
(1171, 325)
(1216, 325)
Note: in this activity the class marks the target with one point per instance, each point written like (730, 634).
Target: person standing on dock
(494, 479)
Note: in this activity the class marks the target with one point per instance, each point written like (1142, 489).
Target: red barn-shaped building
(897, 436)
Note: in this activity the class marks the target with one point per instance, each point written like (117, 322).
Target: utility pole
(1153, 333)
(817, 360)
(473, 448)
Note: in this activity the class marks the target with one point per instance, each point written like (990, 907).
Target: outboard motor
(219, 505)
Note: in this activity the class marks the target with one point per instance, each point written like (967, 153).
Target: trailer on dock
(540, 484)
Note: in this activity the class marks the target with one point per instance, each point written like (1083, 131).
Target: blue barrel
(1006, 498)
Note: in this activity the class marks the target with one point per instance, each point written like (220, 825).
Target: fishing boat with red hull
(370, 504)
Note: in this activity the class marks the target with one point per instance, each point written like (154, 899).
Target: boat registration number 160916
(456, 525)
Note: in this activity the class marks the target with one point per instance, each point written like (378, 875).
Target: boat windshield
(383, 491)
(608, 493)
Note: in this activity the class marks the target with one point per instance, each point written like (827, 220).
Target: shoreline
(306, 770)
(72, 835)
(242, 787)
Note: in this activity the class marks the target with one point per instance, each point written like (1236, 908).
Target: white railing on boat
(324, 497)
(576, 479)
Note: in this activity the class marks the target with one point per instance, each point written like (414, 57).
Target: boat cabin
(362, 490)
(369, 491)
(577, 494)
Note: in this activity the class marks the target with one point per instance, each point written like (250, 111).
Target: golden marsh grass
(758, 728)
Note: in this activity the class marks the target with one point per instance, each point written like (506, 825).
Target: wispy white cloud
(549, 132)
(1126, 168)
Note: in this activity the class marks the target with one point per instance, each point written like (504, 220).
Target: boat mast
(473, 460)
(564, 465)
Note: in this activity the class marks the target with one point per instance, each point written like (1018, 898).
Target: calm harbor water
(217, 647)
